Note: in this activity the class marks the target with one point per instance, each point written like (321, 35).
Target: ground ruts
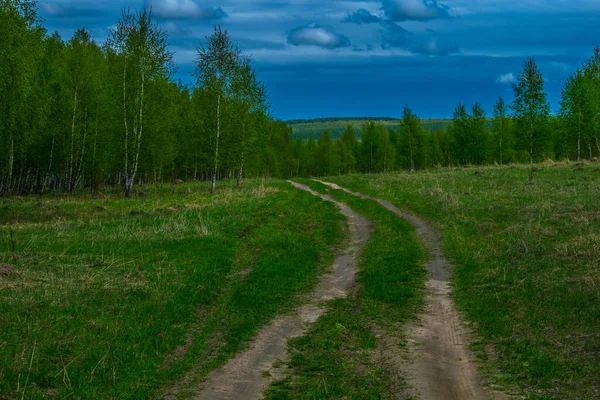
(250, 372)
(440, 364)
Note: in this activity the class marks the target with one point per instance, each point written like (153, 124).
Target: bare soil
(6, 270)
(438, 363)
(248, 374)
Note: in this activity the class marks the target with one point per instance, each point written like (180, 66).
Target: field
(314, 128)
(527, 262)
(104, 297)
(112, 298)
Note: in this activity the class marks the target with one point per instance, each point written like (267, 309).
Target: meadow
(102, 297)
(107, 297)
(527, 266)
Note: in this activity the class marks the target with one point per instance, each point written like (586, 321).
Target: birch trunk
(127, 189)
(239, 178)
(79, 173)
(138, 132)
(214, 177)
(11, 162)
(47, 178)
(70, 178)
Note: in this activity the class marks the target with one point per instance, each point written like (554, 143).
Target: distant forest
(75, 114)
(336, 126)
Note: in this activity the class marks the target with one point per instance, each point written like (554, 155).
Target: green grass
(117, 298)
(337, 358)
(527, 266)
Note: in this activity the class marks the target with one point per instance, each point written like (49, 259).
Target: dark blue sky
(328, 58)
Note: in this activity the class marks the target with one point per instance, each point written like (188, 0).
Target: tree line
(523, 131)
(75, 114)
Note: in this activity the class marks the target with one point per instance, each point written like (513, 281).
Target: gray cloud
(185, 9)
(361, 16)
(431, 44)
(54, 9)
(314, 35)
(414, 10)
(507, 78)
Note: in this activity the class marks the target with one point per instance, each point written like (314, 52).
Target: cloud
(314, 35)
(414, 10)
(430, 44)
(360, 49)
(54, 9)
(507, 78)
(361, 16)
(185, 9)
(174, 28)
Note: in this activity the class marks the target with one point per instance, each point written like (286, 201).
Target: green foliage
(580, 106)
(531, 109)
(501, 141)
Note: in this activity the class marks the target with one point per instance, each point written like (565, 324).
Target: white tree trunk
(126, 170)
(71, 155)
(214, 177)
(79, 173)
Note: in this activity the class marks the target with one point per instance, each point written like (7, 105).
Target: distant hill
(314, 128)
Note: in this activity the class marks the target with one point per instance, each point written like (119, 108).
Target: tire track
(440, 366)
(248, 374)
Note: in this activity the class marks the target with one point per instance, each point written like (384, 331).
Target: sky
(362, 58)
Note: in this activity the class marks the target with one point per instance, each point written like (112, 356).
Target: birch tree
(411, 135)
(575, 107)
(218, 63)
(141, 46)
(250, 99)
(20, 40)
(592, 75)
(478, 135)
(500, 128)
(531, 107)
(83, 63)
(459, 134)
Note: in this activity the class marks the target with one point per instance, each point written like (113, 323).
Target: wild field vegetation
(105, 297)
(527, 259)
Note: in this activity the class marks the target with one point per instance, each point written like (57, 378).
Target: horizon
(357, 58)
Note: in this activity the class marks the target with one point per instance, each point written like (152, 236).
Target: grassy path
(246, 375)
(526, 259)
(441, 366)
(351, 352)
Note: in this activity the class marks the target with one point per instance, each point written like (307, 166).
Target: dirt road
(248, 374)
(441, 365)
